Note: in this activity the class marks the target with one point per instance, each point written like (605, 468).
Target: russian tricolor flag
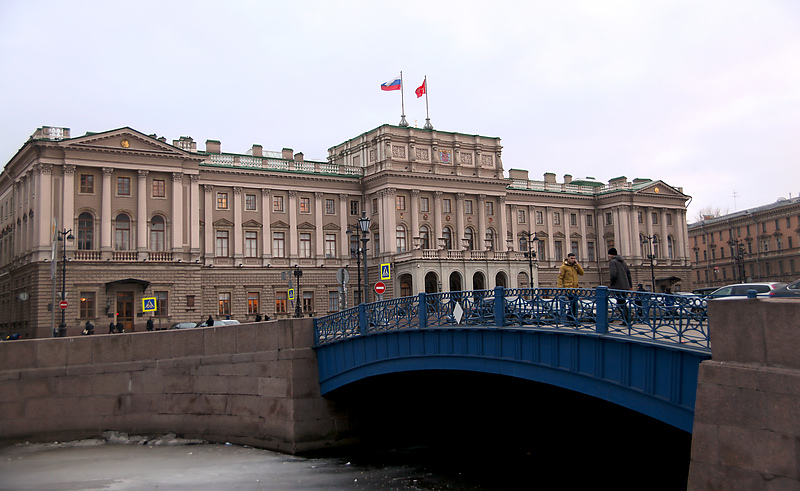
(393, 84)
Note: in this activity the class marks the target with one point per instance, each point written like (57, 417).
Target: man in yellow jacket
(568, 278)
(569, 272)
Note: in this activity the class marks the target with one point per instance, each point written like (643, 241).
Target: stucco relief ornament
(447, 218)
(444, 156)
(425, 217)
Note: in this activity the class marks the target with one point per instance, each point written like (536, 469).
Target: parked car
(183, 325)
(740, 289)
(790, 290)
(219, 323)
(702, 292)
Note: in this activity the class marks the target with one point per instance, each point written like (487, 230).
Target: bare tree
(710, 212)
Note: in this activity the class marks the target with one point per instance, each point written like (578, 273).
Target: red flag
(420, 90)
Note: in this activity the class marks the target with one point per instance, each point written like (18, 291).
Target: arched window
(490, 245)
(447, 234)
(657, 246)
(469, 234)
(85, 231)
(157, 234)
(122, 233)
(401, 238)
(425, 237)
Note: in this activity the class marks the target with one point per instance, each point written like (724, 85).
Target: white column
(413, 207)
(502, 226)
(551, 246)
(437, 219)
(68, 198)
(42, 211)
(238, 233)
(344, 240)
(459, 222)
(390, 219)
(319, 234)
(209, 222)
(266, 219)
(105, 217)
(664, 235)
(293, 236)
(584, 238)
(624, 230)
(480, 240)
(514, 225)
(141, 212)
(635, 240)
(177, 212)
(194, 214)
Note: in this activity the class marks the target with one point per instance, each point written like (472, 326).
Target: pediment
(659, 188)
(306, 226)
(574, 235)
(608, 235)
(331, 226)
(541, 233)
(222, 223)
(126, 140)
(279, 224)
(251, 224)
(591, 235)
(559, 235)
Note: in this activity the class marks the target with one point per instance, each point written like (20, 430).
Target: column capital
(265, 192)
(143, 174)
(237, 190)
(107, 171)
(208, 188)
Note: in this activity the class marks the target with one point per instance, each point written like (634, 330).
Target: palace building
(205, 232)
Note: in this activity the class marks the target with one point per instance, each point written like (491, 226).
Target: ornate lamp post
(63, 236)
(298, 273)
(737, 252)
(651, 240)
(530, 240)
(363, 225)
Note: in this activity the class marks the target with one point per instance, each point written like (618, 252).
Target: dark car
(790, 290)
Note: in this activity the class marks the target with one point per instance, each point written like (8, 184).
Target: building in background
(221, 234)
(758, 244)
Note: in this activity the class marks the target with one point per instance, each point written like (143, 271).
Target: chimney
(549, 177)
(213, 146)
(287, 153)
(298, 157)
(567, 178)
(258, 150)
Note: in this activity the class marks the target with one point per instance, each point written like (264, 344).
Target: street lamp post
(530, 240)
(298, 273)
(63, 236)
(737, 251)
(651, 240)
(363, 225)
(355, 249)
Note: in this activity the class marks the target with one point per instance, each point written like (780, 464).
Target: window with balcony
(158, 241)
(424, 236)
(122, 232)
(447, 234)
(85, 231)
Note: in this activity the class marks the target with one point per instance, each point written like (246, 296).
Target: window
(447, 234)
(87, 305)
(768, 269)
(330, 207)
(251, 244)
(333, 301)
(490, 239)
(670, 247)
(87, 184)
(122, 232)
(159, 188)
(330, 245)
(400, 202)
(590, 220)
(250, 202)
(424, 235)
(374, 206)
(539, 218)
(713, 254)
(764, 227)
(696, 256)
(280, 302)
(490, 208)
(224, 303)
(590, 251)
(401, 238)
(354, 207)
(574, 248)
(253, 302)
(162, 304)
(778, 243)
(749, 247)
(654, 217)
(376, 244)
(573, 219)
(765, 245)
(157, 234)
(556, 218)
(85, 231)
(541, 250)
(305, 204)
(278, 244)
(469, 234)
(446, 206)
(640, 216)
(277, 204)
(424, 205)
(190, 300)
(780, 267)
(789, 240)
(791, 265)
(669, 218)
(777, 224)
(520, 216)
(354, 246)
(305, 244)
(123, 186)
(558, 251)
(468, 206)
(222, 243)
(748, 231)
(720, 235)
(222, 201)
(788, 222)
(308, 301)
(609, 219)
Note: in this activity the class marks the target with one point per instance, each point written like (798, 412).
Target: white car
(740, 290)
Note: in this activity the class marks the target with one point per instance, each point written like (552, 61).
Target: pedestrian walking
(258, 317)
(120, 327)
(620, 281)
(150, 324)
(210, 321)
(111, 327)
(88, 328)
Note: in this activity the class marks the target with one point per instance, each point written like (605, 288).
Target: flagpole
(428, 125)
(403, 121)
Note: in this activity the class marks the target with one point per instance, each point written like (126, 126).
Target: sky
(703, 95)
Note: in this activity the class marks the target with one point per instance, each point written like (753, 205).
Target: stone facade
(215, 233)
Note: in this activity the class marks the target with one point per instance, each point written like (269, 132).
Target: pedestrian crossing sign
(291, 293)
(149, 304)
(386, 271)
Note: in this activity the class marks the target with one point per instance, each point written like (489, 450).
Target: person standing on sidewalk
(620, 280)
(568, 278)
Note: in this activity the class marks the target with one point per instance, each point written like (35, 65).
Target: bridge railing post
(499, 306)
(601, 309)
(423, 310)
(362, 318)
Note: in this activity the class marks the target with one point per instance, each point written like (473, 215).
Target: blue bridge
(638, 350)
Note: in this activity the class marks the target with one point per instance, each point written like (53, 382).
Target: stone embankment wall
(255, 384)
(747, 416)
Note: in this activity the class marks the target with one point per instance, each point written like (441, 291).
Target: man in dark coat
(620, 280)
(150, 324)
(210, 321)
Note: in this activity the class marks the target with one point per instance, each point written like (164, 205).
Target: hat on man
(612, 251)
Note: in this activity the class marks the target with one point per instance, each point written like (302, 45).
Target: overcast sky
(703, 95)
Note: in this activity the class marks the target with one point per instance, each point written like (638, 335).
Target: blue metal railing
(673, 319)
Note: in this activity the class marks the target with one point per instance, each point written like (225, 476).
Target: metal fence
(679, 320)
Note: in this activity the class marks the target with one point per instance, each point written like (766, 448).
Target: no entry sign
(380, 288)
(63, 304)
